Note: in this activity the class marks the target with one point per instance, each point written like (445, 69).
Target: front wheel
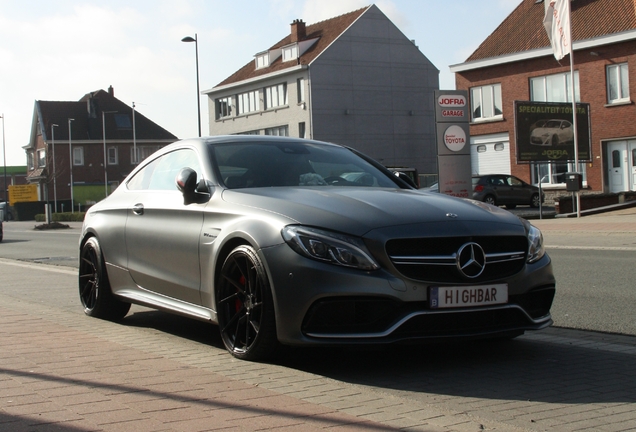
(245, 307)
(94, 288)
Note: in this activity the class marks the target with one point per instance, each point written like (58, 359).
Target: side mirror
(405, 178)
(192, 191)
(186, 180)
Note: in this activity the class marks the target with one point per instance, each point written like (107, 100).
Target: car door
(520, 191)
(501, 188)
(162, 233)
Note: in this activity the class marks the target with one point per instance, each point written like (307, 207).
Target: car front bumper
(324, 304)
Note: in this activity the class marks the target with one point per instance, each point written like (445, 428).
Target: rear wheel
(245, 307)
(489, 199)
(94, 288)
(535, 201)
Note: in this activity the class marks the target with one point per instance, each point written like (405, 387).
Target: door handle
(138, 209)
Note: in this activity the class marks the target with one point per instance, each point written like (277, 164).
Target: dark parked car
(505, 189)
(282, 240)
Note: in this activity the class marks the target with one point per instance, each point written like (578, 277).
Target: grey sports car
(298, 242)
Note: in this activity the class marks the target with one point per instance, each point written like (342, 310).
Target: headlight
(535, 244)
(328, 247)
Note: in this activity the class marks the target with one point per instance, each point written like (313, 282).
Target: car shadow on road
(187, 328)
(523, 369)
(515, 370)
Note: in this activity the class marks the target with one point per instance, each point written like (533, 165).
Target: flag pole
(574, 120)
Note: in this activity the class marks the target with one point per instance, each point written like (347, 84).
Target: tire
(489, 199)
(245, 308)
(535, 201)
(555, 140)
(94, 288)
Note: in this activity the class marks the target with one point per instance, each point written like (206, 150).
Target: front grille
(350, 315)
(433, 260)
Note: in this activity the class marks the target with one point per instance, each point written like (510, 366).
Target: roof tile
(523, 29)
(327, 31)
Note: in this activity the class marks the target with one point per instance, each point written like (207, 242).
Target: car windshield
(553, 124)
(267, 164)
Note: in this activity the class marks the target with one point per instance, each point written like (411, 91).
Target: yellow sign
(23, 193)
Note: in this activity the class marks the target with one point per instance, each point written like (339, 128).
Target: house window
(113, 157)
(30, 161)
(290, 53)
(276, 96)
(554, 88)
(301, 130)
(617, 83)
(142, 153)
(78, 156)
(278, 131)
(485, 102)
(300, 89)
(248, 102)
(262, 60)
(41, 158)
(122, 121)
(224, 107)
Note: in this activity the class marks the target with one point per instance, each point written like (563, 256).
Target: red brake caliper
(237, 302)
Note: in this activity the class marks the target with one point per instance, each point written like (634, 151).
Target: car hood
(358, 210)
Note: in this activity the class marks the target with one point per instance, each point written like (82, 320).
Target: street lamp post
(105, 158)
(196, 51)
(70, 160)
(53, 126)
(4, 159)
(134, 158)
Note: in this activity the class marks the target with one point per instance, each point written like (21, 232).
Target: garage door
(490, 154)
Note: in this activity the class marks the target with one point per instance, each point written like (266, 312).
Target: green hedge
(62, 217)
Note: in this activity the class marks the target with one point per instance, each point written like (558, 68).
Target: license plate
(467, 296)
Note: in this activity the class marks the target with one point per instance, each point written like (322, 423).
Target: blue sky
(63, 49)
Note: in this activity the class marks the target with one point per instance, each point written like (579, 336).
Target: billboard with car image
(544, 132)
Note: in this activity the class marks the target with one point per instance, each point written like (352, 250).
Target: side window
(163, 176)
(160, 174)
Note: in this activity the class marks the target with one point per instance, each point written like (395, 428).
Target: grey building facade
(355, 80)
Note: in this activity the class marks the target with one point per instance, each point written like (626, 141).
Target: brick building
(107, 140)
(516, 63)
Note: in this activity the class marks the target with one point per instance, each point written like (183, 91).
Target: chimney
(298, 30)
(111, 91)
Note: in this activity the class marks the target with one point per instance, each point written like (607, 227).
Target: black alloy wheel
(94, 288)
(489, 199)
(245, 307)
